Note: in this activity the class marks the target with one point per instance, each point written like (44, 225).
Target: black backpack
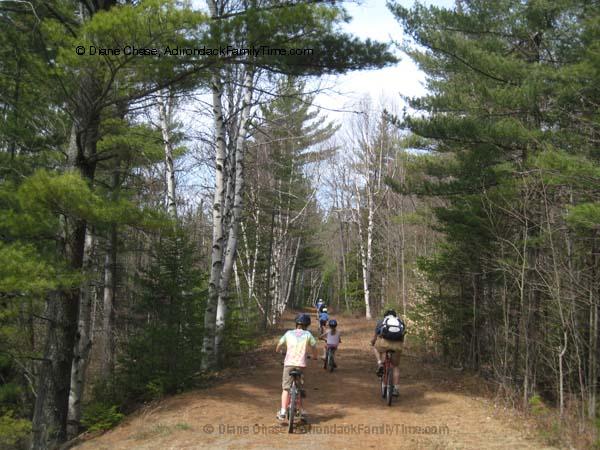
(392, 328)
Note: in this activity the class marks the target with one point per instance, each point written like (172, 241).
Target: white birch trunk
(108, 313)
(238, 286)
(165, 110)
(561, 354)
(232, 239)
(291, 277)
(249, 264)
(83, 343)
(364, 256)
(276, 298)
(370, 225)
(210, 313)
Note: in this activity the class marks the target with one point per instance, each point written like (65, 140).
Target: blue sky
(372, 19)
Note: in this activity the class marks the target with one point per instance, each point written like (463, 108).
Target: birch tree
(371, 143)
(165, 113)
(304, 23)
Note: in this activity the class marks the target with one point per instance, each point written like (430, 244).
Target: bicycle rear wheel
(330, 360)
(390, 385)
(292, 407)
(383, 385)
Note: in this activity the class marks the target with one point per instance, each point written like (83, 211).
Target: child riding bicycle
(323, 318)
(332, 338)
(297, 342)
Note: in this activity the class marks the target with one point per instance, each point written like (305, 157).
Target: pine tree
(163, 356)
(514, 143)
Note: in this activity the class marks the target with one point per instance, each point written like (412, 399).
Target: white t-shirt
(333, 339)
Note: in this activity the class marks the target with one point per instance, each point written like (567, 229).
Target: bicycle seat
(295, 373)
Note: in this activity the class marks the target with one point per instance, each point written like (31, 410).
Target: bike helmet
(333, 323)
(303, 319)
(390, 312)
(324, 309)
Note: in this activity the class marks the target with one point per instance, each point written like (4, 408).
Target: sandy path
(437, 408)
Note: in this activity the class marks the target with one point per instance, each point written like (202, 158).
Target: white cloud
(372, 19)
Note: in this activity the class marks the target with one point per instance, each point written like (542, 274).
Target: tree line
(512, 116)
(473, 210)
(105, 269)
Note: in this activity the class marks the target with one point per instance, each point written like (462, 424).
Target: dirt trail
(437, 408)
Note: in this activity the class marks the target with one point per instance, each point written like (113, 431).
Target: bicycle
(293, 408)
(387, 379)
(329, 359)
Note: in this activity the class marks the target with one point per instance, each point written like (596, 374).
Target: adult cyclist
(389, 335)
(297, 343)
(319, 304)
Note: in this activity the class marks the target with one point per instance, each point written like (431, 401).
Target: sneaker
(380, 371)
(303, 416)
(395, 392)
(281, 415)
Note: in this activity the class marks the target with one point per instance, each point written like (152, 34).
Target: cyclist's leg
(396, 365)
(284, 399)
(302, 394)
(286, 384)
(378, 355)
(333, 349)
(379, 350)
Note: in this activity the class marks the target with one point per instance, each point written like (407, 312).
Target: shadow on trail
(430, 396)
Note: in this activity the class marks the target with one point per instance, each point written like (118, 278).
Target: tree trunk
(344, 269)
(165, 109)
(232, 238)
(402, 256)
(108, 310)
(268, 272)
(51, 405)
(594, 290)
(366, 253)
(210, 313)
(291, 278)
(561, 354)
(49, 424)
(84, 341)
